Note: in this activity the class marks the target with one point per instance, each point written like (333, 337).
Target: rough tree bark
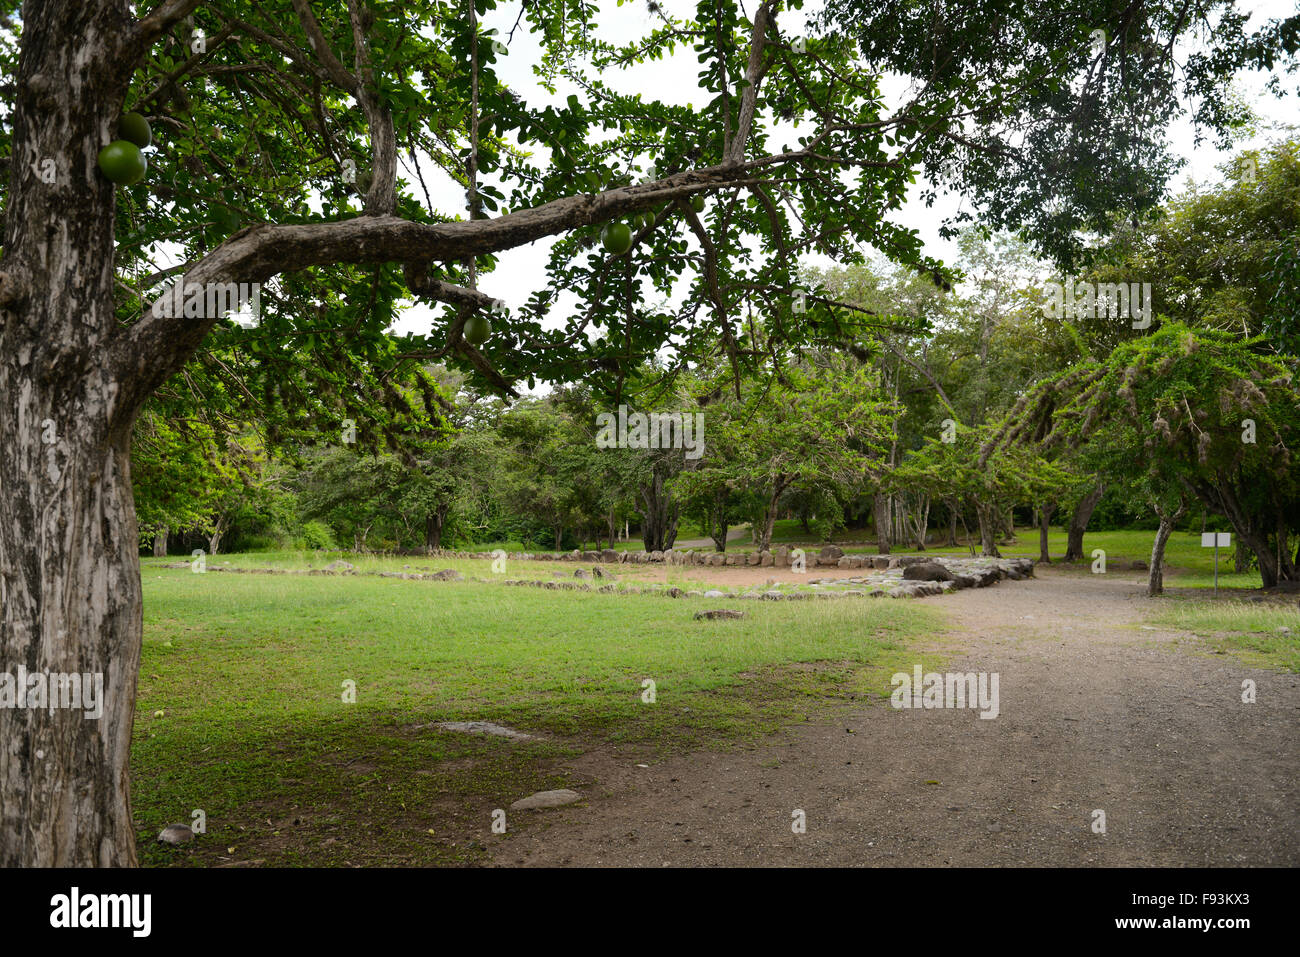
(69, 567)
(1079, 523)
(160, 543)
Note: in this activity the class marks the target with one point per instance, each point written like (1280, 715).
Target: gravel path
(1096, 714)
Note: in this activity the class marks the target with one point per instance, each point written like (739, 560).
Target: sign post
(1214, 540)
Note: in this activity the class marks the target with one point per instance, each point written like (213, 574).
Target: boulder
(581, 573)
(830, 555)
(765, 559)
(338, 566)
(927, 572)
(446, 575)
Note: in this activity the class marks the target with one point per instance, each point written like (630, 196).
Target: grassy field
(248, 673)
(1254, 633)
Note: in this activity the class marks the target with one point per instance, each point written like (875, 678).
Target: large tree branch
(159, 20)
(753, 77)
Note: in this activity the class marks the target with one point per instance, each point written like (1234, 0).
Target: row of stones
(781, 557)
(919, 579)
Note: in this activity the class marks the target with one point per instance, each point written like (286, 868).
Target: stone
(1139, 566)
(927, 572)
(880, 562)
(831, 554)
(446, 575)
(765, 559)
(751, 558)
(544, 799)
(581, 573)
(609, 555)
(675, 592)
(717, 613)
(773, 595)
(714, 593)
(733, 559)
(783, 556)
(483, 727)
(338, 566)
(176, 833)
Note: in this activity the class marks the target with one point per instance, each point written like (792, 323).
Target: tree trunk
(882, 520)
(612, 528)
(160, 543)
(952, 525)
(923, 523)
(69, 544)
(1044, 520)
(988, 518)
(1079, 523)
(218, 529)
(433, 524)
(1156, 575)
(768, 525)
(659, 512)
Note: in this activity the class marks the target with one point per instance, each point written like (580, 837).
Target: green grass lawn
(1250, 631)
(248, 671)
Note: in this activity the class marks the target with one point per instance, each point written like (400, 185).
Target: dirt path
(1095, 714)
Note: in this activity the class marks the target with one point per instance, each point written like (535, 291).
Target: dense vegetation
(983, 411)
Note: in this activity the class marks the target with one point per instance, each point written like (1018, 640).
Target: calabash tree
(291, 145)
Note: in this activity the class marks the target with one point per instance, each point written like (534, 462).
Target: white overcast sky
(521, 271)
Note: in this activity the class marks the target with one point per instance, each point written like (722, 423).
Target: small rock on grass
(176, 834)
(546, 799)
(719, 613)
(483, 727)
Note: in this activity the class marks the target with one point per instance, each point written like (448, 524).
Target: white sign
(1211, 539)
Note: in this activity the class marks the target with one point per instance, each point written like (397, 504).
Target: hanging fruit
(123, 163)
